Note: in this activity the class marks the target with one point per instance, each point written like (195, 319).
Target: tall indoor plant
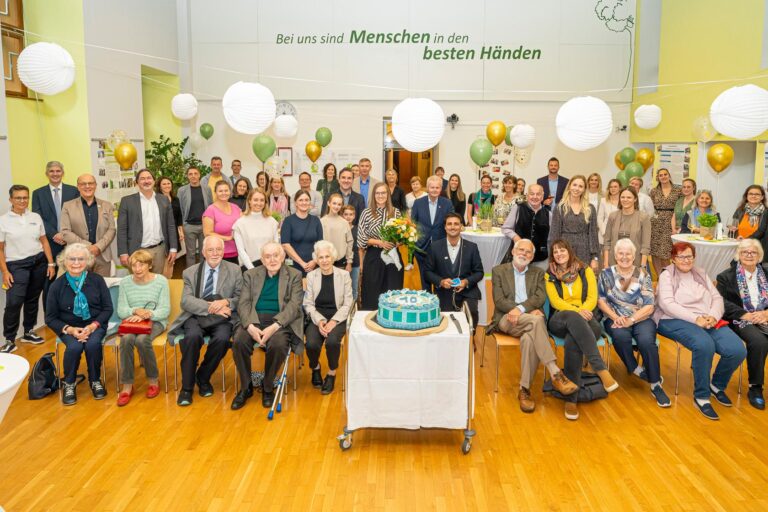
(166, 158)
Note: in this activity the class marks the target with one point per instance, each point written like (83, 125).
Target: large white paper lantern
(248, 107)
(418, 124)
(522, 135)
(648, 117)
(584, 123)
(740, 112)
(285, 127)
(184, 106)
(46, 68)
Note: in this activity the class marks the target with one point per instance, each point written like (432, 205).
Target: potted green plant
(166, 158)
(707, 223)
(485, 216)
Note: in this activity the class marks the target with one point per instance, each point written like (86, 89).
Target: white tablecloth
(493, 246)
(13, 370)
(712, 256)
(407, 382)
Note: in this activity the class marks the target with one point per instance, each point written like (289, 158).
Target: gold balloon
(496, 132)
(313, 150)
(617, 160)
(720, 157)
(645, 158)
(125, 154)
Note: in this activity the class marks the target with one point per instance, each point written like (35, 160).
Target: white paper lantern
(46, 68)
(285, 127)
(584, 123)
(648, 117)
(522, 135)
(184, 106)
(740, 112)
(418, 124)
(248, 107)
(196, 141)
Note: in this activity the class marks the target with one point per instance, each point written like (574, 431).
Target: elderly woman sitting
(327, 302)
(688, 310)
(78, 309)
(626, 299)
(744, 288)
(143, 296)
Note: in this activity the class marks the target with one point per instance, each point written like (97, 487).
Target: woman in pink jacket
(688, 310)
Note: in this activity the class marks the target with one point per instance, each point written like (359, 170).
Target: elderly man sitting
(519, 294)
(270, 316)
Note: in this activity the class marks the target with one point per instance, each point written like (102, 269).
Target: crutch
(277, 402)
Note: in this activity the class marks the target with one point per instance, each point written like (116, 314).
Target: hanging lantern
(418, 124)
(184, 106)
(248, 107)
(46, 68)
(522, 135)
(741, 112)
(648, 117)
(584, 123)
(285, 127)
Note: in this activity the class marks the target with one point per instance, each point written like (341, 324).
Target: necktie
(57, 206)
(208, 290)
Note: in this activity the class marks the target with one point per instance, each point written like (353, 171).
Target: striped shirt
(153, 295)
(370, 227)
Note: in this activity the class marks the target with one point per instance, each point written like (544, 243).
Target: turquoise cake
(410, 310)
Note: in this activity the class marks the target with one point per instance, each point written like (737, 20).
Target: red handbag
(143, 327)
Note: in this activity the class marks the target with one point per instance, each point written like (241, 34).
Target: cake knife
(456, 322)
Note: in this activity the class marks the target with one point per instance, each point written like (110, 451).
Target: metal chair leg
(175, 369)
(741, 369)
(677, 370)
(116, 351)
(295, 380)
(165, 365)
(496, 390)
(482, 350)
(59, 372)
(223, 377)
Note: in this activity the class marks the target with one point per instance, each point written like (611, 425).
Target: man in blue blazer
(553, 184)
(454, 267)
(429, 213)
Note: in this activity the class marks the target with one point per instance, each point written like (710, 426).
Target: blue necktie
(208, 290)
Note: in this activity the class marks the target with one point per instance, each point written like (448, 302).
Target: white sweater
(251, 232)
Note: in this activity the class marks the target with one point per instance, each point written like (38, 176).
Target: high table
(13, 369)
(714, 256)
(493, 246)
(409, 382)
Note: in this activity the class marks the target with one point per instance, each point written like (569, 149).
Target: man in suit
(363, 184)
(194, 198)
(90, 221)
(346, 177)
(429, 213)
(145, 221)
(518, 296)
(208, 308)
(47, 202)
(553, 184)
(453, 258)
(270, 316)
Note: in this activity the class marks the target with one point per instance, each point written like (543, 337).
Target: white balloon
(648, 117)
(522, 135)
(196, 141)
(740, 112)
(46, 68)
(184, 106)
(418, 124)
(248, 107)
(285, 127)
(584, 123)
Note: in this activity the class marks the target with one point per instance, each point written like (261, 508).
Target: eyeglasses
(749, 253)
(76, 259)
(684, 258)
(20, 199)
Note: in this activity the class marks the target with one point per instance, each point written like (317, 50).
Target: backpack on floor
(591, 388)
(42, 380)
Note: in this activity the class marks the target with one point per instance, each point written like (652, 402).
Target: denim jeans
(644, 333)
(704, 344)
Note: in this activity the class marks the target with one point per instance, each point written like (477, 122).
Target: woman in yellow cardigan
(572, 291)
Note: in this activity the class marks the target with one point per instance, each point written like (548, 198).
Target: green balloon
(627, 155)
(509, 131)
(623, 178)
(323, 136)
(634, 170)
(481, 151)
(263, 147)
(206, 130)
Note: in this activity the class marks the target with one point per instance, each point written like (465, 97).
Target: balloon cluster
(521, 136)
(314, 148)
(122, 149)
(632, 164)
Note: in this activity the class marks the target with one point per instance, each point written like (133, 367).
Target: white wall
(5, 162)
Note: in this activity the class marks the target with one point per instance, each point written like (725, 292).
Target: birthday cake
(408, 309)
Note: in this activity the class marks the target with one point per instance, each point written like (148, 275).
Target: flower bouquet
(400, 230)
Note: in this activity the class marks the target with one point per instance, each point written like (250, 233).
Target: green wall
(157, 89)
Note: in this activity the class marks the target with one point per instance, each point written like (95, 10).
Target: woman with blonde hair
(575, 221)
(455, 193)
(219, 218)
(506, 199)
(595, 190)
(338, 232)
(279, 200)
(254, 229)
(396, 194)
(664, 197)
(608, 204)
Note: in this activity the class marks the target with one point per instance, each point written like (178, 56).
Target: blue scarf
(81, 302)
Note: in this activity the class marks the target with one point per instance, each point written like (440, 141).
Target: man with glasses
(25, 261)
(89, 220)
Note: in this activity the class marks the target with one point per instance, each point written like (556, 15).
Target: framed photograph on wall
(285, 160)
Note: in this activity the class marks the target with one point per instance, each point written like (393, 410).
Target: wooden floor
(624, 453)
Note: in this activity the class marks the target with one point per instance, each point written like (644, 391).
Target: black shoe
(70, 394)
(267, 399)
(30, 337)
(756, 399)
(328, 383)
(241, 398)
(706, 409)
(99, 393)
(721, 397)
(204, 388)
(185, 398)
(317, 378)
(8, 347)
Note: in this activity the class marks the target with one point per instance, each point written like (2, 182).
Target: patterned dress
(582, 235)
(661, 223)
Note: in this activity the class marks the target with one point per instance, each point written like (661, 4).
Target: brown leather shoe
(571, 411)
(563, 384)
(526, 400)
(608, 383)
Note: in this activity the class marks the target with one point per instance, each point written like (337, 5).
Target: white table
(13, 370)
(493, 246)
(408, 382)
(714, 256)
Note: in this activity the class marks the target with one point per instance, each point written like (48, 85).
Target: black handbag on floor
(42, 381)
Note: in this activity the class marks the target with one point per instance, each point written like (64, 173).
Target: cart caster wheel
(345, 444)
(466, 446)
